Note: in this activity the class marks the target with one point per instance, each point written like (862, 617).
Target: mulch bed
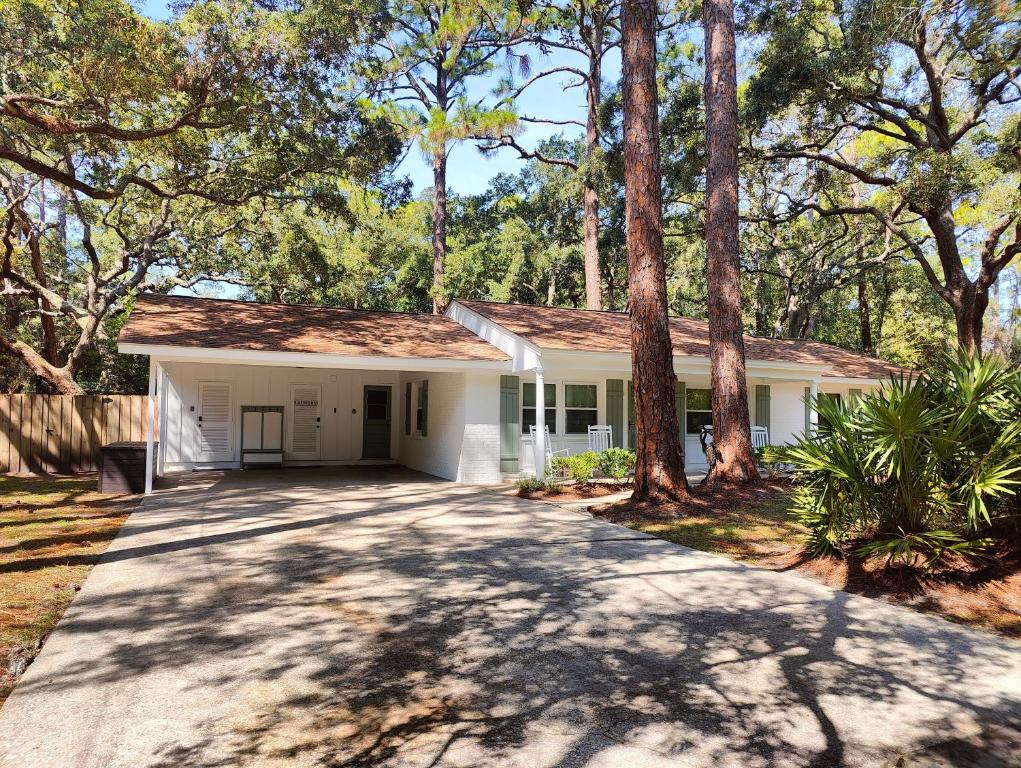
(703, 501)
(576, 492)
(986, 594)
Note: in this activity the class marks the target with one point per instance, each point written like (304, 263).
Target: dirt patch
(576, 492)
(752, 524)
(53, 530)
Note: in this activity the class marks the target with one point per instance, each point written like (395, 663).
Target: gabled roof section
(583, 330)
(187, 322)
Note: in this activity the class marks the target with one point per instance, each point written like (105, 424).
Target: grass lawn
(52, 531)
(753, 525)
(757, 528)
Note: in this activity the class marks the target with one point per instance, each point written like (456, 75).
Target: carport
(342, 386)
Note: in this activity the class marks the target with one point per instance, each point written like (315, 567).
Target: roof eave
(173, 353)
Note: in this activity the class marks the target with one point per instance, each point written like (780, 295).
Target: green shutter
(853, 396)
(762, 406)
(407, 408)
(510, 424)
(632, 433)
(423, 396)
(680, 404)
(808, 410)
(615, 409)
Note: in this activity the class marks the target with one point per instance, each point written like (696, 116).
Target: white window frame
(554, 427)
(688, 410)
(565, 409)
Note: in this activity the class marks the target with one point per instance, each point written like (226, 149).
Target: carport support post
(540, 425)
(813, 414)
(150, 427)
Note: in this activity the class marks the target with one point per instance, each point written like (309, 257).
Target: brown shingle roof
(596, 331)
(182, 321)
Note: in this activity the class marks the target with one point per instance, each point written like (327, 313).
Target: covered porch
(566, 397)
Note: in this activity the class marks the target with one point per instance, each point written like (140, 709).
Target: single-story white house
(241, 382)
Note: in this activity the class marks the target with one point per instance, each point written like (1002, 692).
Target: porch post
(150, 426)
(813, 414)
(162, 378)
(540, 425)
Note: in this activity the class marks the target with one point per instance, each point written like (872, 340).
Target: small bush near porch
(52, 532)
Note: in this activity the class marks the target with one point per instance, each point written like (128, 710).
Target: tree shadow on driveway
(397, 621)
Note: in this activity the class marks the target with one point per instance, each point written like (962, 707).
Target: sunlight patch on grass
(761, 529)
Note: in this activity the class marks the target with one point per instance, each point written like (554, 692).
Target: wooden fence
(62, 434)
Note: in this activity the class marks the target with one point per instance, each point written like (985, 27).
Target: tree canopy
(257, 148)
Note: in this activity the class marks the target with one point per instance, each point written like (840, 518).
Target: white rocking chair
(600, 437)
(550, 453)
(760, 437)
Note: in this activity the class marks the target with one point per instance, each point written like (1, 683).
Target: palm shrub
(921, 467)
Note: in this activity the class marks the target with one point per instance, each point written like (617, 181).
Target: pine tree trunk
(731, 423)
(659, 472)
(593, 290)
(439, 240)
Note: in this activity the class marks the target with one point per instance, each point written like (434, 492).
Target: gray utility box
(262, 436)
(122, 467)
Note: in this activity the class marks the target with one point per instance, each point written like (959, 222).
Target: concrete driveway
(389, 619)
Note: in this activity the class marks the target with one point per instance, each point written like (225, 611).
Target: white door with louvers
(305, 420)
(215, 426)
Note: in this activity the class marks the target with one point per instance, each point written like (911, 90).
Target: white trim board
(307, 359)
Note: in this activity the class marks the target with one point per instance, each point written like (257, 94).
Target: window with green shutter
(407, 408)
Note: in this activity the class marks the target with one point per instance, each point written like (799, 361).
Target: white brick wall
(480, 447)
(439, 451)
(463, 435)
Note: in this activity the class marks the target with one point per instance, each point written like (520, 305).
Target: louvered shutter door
(215, 421)
(305, 421)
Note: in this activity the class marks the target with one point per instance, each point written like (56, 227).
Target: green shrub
(531, 484)
(558, 466)
(922, 467)
(580, 466)
(617, 463)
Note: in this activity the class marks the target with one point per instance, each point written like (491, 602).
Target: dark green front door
(376, 423)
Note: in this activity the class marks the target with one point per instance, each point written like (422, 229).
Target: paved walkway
(387, 619)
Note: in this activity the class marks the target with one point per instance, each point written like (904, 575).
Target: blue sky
(468, 171)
